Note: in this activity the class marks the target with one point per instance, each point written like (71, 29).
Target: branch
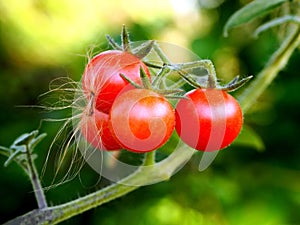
(144, 175)
(35, 181)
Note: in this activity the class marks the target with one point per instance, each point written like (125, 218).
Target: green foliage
(18, 149)
(250, 138)
(256, 8)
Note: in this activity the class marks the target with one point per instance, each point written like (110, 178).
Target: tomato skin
(102, 79)
(94, 127)
(209, 119)
(141, 120)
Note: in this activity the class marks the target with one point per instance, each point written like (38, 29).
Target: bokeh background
(254, 181)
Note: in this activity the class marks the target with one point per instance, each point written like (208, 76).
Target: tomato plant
(94, 127)
(209, 119)
(141, 120)
(102, 81)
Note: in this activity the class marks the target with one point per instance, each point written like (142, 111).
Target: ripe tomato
(209, 119)
(141, 120)
(94, 127)
(102, 80)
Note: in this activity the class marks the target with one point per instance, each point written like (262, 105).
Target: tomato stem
(149, 159)
(143, 50)
(161, 54)
(160, 171)
(158, 78)
(181, 69)
(35, 181)
(148, 85)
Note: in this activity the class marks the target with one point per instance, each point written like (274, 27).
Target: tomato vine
(150, 169)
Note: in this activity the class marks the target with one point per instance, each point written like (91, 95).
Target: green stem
(276, 63)
(143, 176)
(149, 159)
(203, 63)
(161, 54)
(158, 78)
(206, 64)
(35, 181)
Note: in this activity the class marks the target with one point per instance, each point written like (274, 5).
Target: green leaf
(25, 139)
(5, 151)
(34, 142)
(251, 11)
(236, 83)
(20, 159)
(276, 22)
(250, 138)
(125, 40)
(112, 43)
(17, 150)
(11, 158)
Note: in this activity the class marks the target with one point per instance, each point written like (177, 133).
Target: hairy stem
(161, 54)
(35, 181)
(143, 176)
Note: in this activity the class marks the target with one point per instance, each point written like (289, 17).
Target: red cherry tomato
(102, 81)
(209, 119)
(141, 120)
(94, 127)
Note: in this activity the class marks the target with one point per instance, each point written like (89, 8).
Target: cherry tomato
(102, 81)
(209, 119)
(141, 120)
(94, 127)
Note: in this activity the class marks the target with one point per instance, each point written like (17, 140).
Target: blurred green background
(258, 183)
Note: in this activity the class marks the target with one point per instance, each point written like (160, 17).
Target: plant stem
(276, 63)
(161, 54)
(149, 159)
(143, 176)
(35, 181)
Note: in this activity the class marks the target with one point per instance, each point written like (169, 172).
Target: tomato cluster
(119, 115)
(124, 113)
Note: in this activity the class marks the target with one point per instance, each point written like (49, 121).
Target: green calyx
(141, 51)
(145, 48)
(154, 86)
(212, 82)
